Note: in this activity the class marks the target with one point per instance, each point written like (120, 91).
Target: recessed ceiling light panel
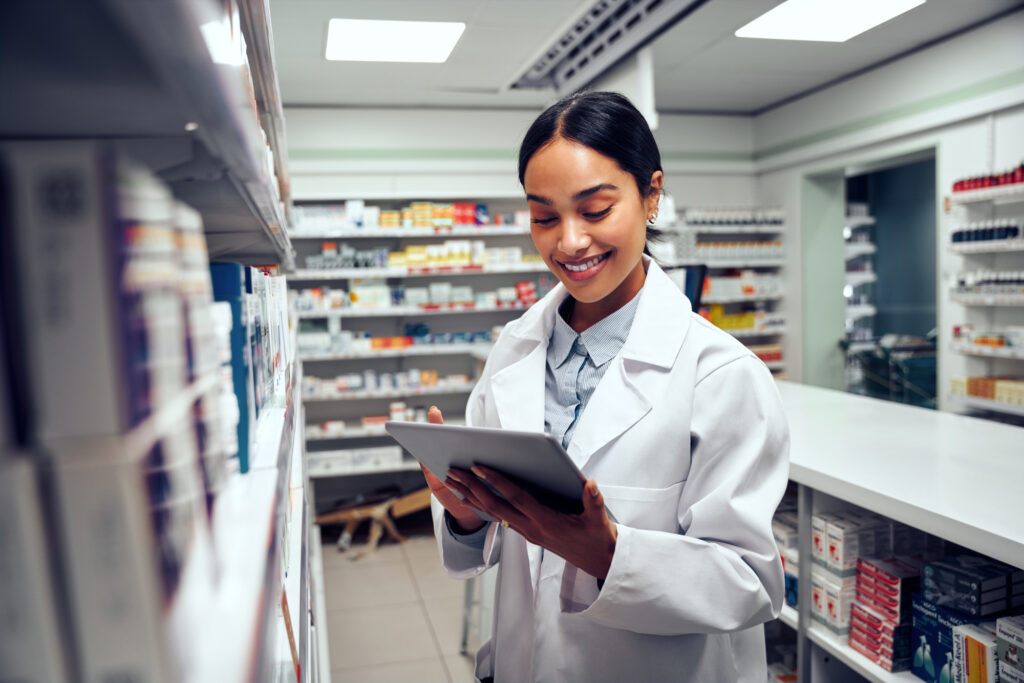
(832, 21)
(364, 40)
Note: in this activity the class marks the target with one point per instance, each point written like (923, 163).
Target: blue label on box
(932, 640)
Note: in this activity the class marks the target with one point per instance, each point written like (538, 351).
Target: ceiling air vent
(597, 38)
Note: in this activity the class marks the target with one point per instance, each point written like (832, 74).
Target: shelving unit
(408, 352)
(992, 247)
(986, 210)
(395, 320)
(443, 271)
(481, 231)
(857, 249)
(986, 404)
(1006, 194)
(391, 393)
(410, 311)
(942, 473)
(989, 351)
(858, 278)
(740, 229)
(187, 90)
(988, 299)
(191, 117)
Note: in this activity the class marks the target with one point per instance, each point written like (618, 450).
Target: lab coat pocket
(644, 508)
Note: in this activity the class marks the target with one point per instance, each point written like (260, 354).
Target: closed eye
(543, 221)
(597, 215)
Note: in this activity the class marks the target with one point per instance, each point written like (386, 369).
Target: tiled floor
(394, 616)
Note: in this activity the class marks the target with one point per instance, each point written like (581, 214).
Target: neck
(582, 315)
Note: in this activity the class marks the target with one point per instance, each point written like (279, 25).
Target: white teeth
(578, 268)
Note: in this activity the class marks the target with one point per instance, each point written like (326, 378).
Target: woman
(678, 426)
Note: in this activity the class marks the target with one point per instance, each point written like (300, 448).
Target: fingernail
(478, 472)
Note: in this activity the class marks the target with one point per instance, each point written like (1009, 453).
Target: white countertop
(957, 477)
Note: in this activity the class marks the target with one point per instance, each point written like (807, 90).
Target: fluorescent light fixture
(364, 40)
(830, 21)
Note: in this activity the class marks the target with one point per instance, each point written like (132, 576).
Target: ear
(654, 195)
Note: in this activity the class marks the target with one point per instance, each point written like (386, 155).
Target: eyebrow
(582, 194)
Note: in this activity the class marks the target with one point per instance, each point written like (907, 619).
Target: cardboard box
(1010, 674)
(932, 639)
(1010, 641)
(846, 537)
(970, 584)
(974, 653)
(819, 536)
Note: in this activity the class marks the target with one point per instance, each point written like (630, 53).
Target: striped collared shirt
(575, 364)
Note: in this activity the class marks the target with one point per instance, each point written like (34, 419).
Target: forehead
(566, 166)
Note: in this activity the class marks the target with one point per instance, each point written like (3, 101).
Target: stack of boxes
(1010, 649)
(954, 631)
(880, 618)
(784, 529)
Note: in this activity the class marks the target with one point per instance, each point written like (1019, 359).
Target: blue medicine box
(932, 640)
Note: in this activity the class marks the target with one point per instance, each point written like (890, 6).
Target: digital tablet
(535, 461)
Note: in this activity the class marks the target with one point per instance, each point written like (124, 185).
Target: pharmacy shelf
(838, 647)
(403, 233)
(732, 229)
(1006, 194)
(790, 617)
(248, 515)
(370, 432)
(858, 311)
(391, 393)
(854, 222)
(434, 271)
(986, 404)
(858, 249)
(775, 365)
(987, 247)
(858, 278)
(744, 333)
(936, 471)
(321, 465)
(177, 99)
(411, 311)
(743, 298)
(728, 263)
(989, 351)
(414, 350)
(989, 299)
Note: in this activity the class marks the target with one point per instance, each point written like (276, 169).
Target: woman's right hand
(465, 517)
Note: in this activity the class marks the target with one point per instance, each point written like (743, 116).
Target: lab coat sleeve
(722, 573)
(460, 560)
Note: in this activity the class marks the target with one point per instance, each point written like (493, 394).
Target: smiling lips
(586, 269)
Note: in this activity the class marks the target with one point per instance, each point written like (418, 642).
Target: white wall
(433, 153)
(964, 99)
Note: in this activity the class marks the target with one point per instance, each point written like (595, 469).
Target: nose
(574, 239)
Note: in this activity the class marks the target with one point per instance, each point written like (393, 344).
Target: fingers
(464, 491)
(434, 416)
(489, 502)
(593, 501)
(433, 482)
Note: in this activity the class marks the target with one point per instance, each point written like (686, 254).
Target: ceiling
(700, 66)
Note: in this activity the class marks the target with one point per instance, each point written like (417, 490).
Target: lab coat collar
(659, 327)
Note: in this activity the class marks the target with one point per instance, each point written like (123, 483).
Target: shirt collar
(601, 341)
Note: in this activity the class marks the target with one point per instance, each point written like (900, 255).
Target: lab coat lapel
(518, 388)
(659, 327)
(519, 392)
(617, 404)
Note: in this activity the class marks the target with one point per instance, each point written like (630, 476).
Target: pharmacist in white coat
(678, 427)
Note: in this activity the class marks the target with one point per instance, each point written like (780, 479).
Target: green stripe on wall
(955, 96)
(945, 99)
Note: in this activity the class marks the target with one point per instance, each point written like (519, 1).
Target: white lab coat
(688, 442)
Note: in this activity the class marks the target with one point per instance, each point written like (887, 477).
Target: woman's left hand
(586, 540)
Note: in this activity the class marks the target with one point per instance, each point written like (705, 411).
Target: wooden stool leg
(371, 543)
(345, 540)
(386, 520)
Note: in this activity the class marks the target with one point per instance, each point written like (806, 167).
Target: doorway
(890, 291)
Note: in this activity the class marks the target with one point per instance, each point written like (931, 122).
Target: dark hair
(607, 123)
